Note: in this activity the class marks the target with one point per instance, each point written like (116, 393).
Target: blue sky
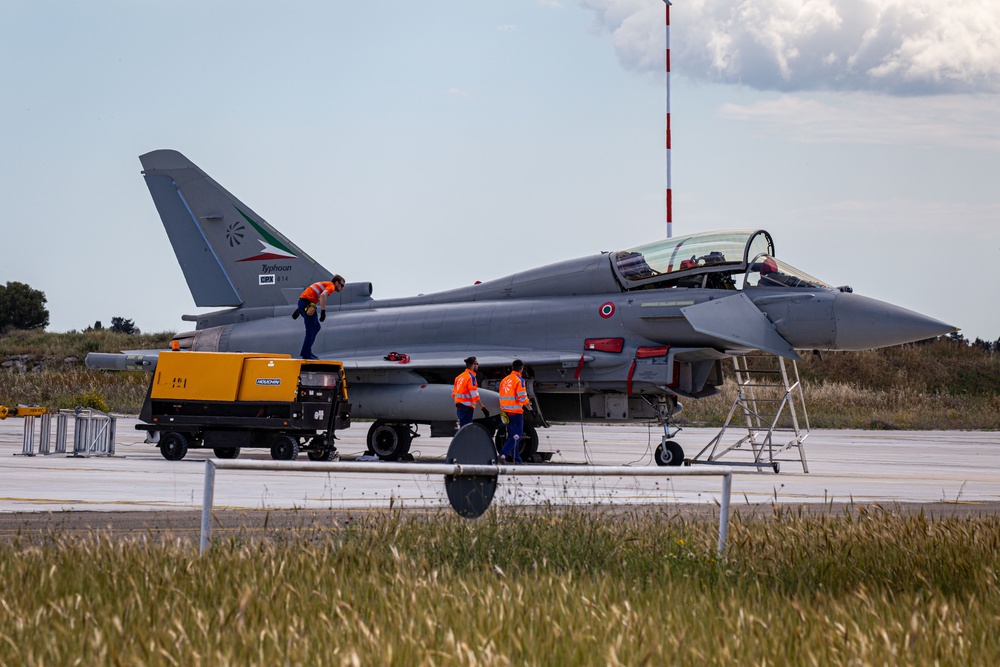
(423, 147)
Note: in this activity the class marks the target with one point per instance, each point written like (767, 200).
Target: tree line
(22, 307)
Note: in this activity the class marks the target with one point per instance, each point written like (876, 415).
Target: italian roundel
(607, 309)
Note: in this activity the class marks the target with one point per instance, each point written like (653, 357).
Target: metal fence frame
(93, 433)
(458, 470)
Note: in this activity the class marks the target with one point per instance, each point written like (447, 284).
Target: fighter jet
(613, 337)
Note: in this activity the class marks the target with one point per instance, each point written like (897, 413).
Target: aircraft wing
(736, 319)
(435, 357)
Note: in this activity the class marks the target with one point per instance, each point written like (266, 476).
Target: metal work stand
(764, 390)
(93, 433)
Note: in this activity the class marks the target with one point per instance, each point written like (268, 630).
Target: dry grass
(943, 385)
(117, 392)
(839, 405)
(866, 587)
(54, 348)
(47, 369)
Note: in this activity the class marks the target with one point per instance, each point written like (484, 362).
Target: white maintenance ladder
(764, 391)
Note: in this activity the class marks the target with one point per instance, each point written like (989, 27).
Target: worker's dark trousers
(312, 329)
(515, 431)
(465, 414)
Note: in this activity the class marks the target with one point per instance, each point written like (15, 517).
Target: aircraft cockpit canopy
(690, 261)
(715, 260)
(766, 271)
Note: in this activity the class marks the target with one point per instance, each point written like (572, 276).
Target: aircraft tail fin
(230, 256)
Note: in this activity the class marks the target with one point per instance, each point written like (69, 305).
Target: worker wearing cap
(466, 393)
(513, 402)
(315, 295)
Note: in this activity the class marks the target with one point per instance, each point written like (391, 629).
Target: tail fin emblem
(271, 247)
(235, 234)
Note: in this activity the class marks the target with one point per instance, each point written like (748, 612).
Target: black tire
(319, 450)
(388, 441)
(284, 448)
(405, 437)
(174, 446)
(526, 449)
(227, 452)
(669, 453)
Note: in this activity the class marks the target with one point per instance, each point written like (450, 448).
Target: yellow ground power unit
(225, 401)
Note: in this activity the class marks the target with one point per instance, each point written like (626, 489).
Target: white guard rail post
(458, 470)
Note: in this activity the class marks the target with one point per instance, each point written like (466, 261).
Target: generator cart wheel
(285, 448)
(526, 449)
(669, 453)
(321, 450)
(389, 441)
(173, 446)
(227, 452)
(321, 454)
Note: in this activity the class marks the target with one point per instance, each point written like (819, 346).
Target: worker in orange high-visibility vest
(513, 402)
(466, 393)
(315, 295)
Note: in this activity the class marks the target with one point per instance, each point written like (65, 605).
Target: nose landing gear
(668, 453)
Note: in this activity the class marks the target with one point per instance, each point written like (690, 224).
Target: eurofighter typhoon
(613, 337)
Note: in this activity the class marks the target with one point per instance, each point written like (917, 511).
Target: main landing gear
(527, 448)
(390, 441)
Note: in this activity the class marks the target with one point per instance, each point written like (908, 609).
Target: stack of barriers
(93, 430)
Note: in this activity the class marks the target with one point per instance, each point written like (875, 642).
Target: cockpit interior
(731, 259)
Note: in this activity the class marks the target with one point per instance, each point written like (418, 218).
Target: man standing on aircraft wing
(513, 401)
(466, 393)
(315, 293)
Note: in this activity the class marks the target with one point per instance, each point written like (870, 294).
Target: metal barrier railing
(460, 470)
(93, 433)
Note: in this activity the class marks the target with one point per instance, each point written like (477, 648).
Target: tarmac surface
(943, 472)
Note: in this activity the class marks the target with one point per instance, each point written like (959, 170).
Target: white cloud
(894, 46)
(952, 121)
(907, 216)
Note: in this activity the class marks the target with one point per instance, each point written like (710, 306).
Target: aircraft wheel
(389, 441)
(526, 449)
(285, 448)
(529, 443)
(227, 452)
(174, 446)
(669, 453)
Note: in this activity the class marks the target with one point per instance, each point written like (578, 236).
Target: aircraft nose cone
(866, 324)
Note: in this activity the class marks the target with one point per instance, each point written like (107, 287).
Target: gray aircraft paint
(543, 316)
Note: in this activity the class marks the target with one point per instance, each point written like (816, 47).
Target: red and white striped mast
(670, 203)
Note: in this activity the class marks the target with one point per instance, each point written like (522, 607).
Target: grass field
(863, 587)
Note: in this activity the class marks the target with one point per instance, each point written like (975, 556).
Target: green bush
(93, 399)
